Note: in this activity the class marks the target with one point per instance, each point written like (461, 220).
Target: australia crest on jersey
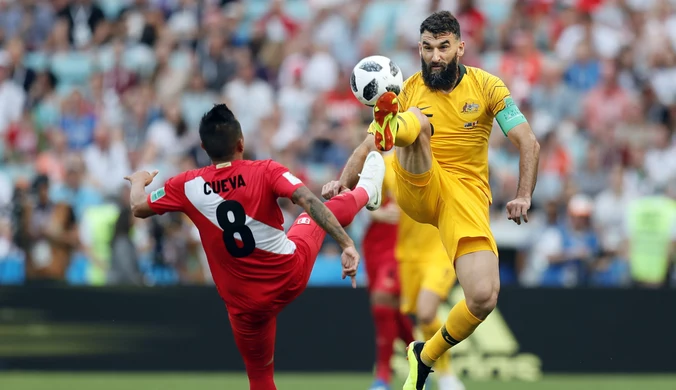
(470, 108)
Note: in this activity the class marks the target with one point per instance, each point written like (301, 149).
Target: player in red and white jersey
(257, 268)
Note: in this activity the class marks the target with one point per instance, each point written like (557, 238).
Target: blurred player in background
(379, 245)
(257, 269)
(440, 124)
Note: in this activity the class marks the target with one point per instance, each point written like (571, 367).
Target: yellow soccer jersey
(462, 121)
(415, 241)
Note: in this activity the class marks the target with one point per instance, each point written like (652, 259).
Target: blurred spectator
(196, 100)
(56, 242)
(106, 161)
(604, 40)
(78, 120)
(651, 228)
(249, 97)
(521, 66)
(660, 161)
(552, 100)
(584, 71)
(472, 22)
(576, 248)
(170, 77)
(592, 178)
(607, 104)
(545, 247)
(321, 71)
(19, 73)
(609, 213)
(124, 258)
(216, 61)
(118, 78)
(169, 138)
(12, 96)
(73, 190)
(83, 17)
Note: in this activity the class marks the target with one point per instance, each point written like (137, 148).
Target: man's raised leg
(392, 128)
(345, 207)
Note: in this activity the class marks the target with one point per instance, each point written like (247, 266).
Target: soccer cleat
(417, 370)
(379, 384)
(371, 179)
(385, 120)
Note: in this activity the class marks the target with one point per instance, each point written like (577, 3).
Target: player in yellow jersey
(425, 276)
(439, 125)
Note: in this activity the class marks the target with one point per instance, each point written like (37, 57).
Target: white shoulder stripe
(267, 238)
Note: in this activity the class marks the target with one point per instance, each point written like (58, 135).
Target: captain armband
(510, 116)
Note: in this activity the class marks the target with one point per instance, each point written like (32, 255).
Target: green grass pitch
(193, 381)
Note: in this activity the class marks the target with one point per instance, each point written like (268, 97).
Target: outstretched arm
(354, 165)
(138, 197)
(322, 215)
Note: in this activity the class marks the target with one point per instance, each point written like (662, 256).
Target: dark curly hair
(441, 22)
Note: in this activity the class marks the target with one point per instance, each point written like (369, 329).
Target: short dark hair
(441, 22)
(219, 132)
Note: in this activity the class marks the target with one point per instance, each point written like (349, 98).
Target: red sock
(385, 319)
(405, 329)
(346, 205)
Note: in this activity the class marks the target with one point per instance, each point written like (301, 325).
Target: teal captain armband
(510, 116)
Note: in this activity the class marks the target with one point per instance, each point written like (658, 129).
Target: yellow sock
(407, 130)
(443, 363)
(459, 325)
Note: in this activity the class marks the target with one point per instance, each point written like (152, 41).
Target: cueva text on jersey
(225, 185)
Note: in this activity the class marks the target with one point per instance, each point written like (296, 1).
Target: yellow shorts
(459, 210)
(433, 272)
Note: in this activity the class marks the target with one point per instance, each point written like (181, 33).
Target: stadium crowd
(93, 90)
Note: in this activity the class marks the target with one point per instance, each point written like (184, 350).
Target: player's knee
(425, 125)
(482, 299)
(382, 298)
(426, 316)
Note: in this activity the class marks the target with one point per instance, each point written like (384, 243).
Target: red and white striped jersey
(234, 207)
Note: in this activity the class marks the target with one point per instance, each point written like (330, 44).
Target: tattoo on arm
(322, 215)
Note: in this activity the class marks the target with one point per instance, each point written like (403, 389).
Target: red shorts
(382, 269)
(255, 331)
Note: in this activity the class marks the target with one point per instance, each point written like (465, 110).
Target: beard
(441, 80)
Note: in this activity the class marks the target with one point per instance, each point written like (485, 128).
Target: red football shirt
(234, 206)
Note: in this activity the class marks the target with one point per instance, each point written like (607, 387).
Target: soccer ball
(373, 76)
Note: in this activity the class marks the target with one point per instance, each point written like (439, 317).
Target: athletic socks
(385, 319)
(460, 324)
(346, 205)
(405, 328)
(442, 364)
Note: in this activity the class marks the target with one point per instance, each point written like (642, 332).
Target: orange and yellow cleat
(385, 120)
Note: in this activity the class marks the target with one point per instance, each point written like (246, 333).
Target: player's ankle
(370, 188)
(425, 359)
